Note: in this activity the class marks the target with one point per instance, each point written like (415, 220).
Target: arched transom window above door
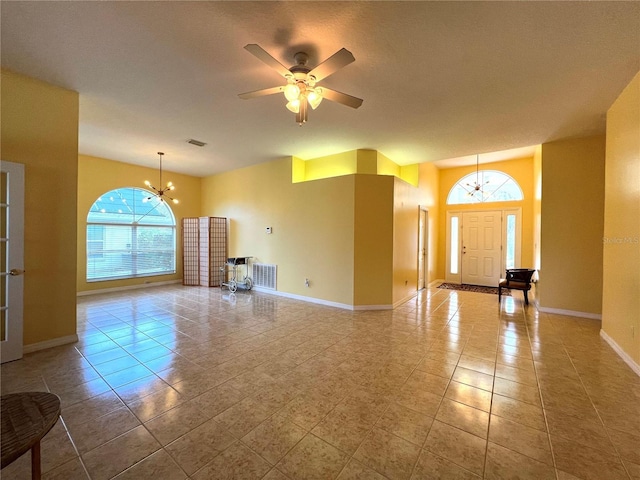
(485, 186)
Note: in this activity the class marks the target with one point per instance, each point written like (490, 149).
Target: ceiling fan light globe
(175, 201)
(291, 92)
(314, 99)
(294, 106)
(147, 183)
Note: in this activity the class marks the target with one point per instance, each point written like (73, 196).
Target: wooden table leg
(35, 461)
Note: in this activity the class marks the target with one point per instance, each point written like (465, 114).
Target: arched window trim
(129, 237)
(461, 192)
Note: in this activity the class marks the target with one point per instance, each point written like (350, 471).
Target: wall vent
(197, 143)
(264, 275)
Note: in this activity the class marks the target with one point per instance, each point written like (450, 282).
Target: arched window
(130, 237)
(494, 187)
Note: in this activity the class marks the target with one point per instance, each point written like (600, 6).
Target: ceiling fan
(301, 88)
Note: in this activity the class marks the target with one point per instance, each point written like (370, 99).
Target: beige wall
(40, 130)
(621, 256)
(97, 176)
(522, 171)
(572, 222)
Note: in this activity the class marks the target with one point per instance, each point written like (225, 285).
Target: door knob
(14, 272)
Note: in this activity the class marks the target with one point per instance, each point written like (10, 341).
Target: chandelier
(161, 193)
(476, 187)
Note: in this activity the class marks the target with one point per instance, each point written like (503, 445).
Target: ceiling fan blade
(343, 98)
(261, 93)
(262, 54)
(341, 58)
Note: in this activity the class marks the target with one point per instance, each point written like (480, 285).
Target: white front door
(481, 247)
(12, 261)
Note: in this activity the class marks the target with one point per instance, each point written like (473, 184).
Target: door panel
(481, 248)
(12, 265)
(422, 249)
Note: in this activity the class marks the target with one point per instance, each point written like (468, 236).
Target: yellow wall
(572, 222)
(373, 240)
(40, 130)
(312, 222)
(97, 176)
(522, 171)
(353, 236)
(345, 163)
(362, 161)
(430, 191)
(621, 256)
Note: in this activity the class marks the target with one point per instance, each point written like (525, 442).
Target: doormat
(474, 288)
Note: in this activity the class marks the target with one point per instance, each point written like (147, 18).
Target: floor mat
(474, 288)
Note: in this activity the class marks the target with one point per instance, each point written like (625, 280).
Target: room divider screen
(204, 250)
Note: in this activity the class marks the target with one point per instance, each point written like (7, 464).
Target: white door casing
(460, 269)
(12, 263)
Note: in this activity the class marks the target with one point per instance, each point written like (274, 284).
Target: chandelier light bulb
(160, 193)
(294, 105)
(291, 91)
(314, 99)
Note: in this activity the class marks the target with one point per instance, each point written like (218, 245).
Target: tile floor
(186, 382)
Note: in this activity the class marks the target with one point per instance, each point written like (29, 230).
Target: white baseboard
(372, 307)
(129, 287)
(403, 301)
(54, 342)
(293, 296)
(320, 301)
(571, 313)
(621, 353)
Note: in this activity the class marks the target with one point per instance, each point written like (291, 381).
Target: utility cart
(231, 274)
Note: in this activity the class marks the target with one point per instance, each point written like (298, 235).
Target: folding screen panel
(204, 241)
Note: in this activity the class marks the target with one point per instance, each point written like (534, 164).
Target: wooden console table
(26, 418)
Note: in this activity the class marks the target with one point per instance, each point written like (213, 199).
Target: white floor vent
(264, 275)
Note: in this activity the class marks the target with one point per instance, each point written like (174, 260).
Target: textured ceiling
(438, 79)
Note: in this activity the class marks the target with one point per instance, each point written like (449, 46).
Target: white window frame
(465, 182)
(518, 236)
(134, 225)
(453, 277)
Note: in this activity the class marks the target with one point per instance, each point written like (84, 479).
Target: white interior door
(422, 249)
(481, 247)
(12, 261)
